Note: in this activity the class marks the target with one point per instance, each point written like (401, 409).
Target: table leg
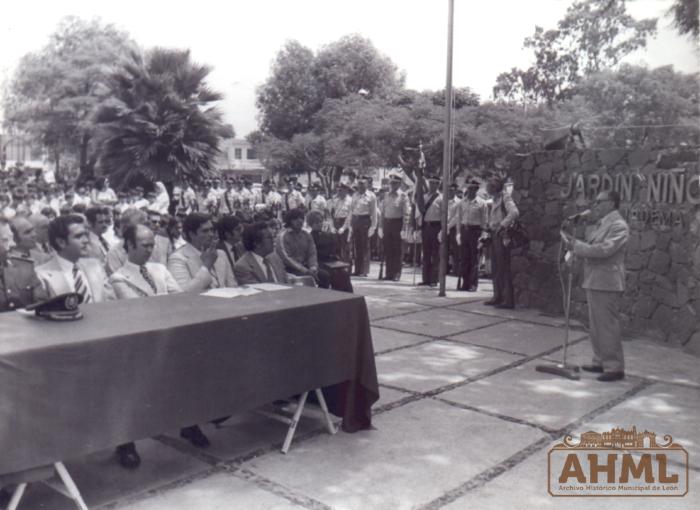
(326, 414)
(295, 421)
(70, 485)
(16, 496)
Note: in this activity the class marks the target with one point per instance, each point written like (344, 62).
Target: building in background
(239, 159)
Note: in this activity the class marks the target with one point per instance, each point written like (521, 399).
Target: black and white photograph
(334, 255)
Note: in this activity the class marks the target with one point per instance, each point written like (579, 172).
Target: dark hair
(48, 211)
(192, 222)
(79, 208)
(292, 214)
(59, 228)
(226, 225)
(99, 183)
(615, 197)
(253, 235)
(314, 216)
(92, 212)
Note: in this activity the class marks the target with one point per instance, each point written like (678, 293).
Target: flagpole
(447, 151)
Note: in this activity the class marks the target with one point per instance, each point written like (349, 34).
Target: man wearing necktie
(139, 278)
(98, 223)
(199, 265)
(69, 270)
(604, 278)
(259, 263)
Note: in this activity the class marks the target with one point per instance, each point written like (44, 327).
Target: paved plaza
(464, 421)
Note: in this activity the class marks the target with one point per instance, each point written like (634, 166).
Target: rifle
(380, 244)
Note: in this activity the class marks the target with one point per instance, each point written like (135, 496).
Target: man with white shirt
(362, 222)
(470, 220)
(67, 271)
(139, 278)
(259, 264)
(199, 265)
(98, 223)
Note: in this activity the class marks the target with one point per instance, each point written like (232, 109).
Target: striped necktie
(80, 286)
(149, 279)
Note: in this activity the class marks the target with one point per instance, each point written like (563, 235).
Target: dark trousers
(453, 253)
(500, 269)
(360, 243)
(431, 251)
(469, 256)
(343, 245)
(392, 247)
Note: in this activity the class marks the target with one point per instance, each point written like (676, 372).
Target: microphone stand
(563, 369)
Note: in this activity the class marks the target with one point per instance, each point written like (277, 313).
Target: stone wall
(661, 201)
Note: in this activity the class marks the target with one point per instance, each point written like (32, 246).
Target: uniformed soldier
(19, 285)
(25, 241)
(429, 206)
(394, 210)
(470, 220)
(340, 209)
(362, 222)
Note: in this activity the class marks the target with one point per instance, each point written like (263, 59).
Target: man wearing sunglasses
(604, 282)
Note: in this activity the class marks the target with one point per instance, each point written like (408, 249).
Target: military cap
(59, 308)
(395, 178)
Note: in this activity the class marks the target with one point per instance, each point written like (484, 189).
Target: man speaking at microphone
(604, 283)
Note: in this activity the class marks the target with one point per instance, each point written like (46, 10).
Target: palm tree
(160, 123)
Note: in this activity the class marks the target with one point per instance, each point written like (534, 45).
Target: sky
(240, 38)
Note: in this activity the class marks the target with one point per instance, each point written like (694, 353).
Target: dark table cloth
(132, 369)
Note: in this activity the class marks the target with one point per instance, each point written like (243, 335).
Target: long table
(132, 369)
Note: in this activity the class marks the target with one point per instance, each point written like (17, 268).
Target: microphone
(578, 216)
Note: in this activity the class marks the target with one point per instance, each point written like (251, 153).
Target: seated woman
(297, 249)
(328, 253)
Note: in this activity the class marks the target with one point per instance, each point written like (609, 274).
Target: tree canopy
(159, 120)
(55, 91)
(593, 35)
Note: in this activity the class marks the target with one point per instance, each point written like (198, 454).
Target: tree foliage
(159, 121)
(593, 35)
(55, 91)
(686, 17)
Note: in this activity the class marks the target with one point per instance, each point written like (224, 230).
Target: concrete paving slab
(385, 339)
(524, 314)
(536, 397)
(437, 322)
(408, 460)
(220, 491)
(648, 359)
(389, 396)
(381, 307)
(429, 297)
(524, 487)
(516, 336)
(430, 366)
(102, 480)
(661, 408)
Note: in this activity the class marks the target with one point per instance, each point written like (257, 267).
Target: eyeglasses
(596, 202)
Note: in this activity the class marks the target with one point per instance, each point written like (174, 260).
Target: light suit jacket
(186, 267)
(127, 281)
(55, 282)
(604, 254)
(248, 271)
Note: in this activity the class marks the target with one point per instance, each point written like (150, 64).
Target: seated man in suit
(260, 263)
(116, 256)
(98, 224)
(297, 250)
(199, 265)
(25, 248)
(230, 230)
(140, 278)
(67, 270)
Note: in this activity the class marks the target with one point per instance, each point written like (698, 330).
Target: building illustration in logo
(619, 438)
(617, 462)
